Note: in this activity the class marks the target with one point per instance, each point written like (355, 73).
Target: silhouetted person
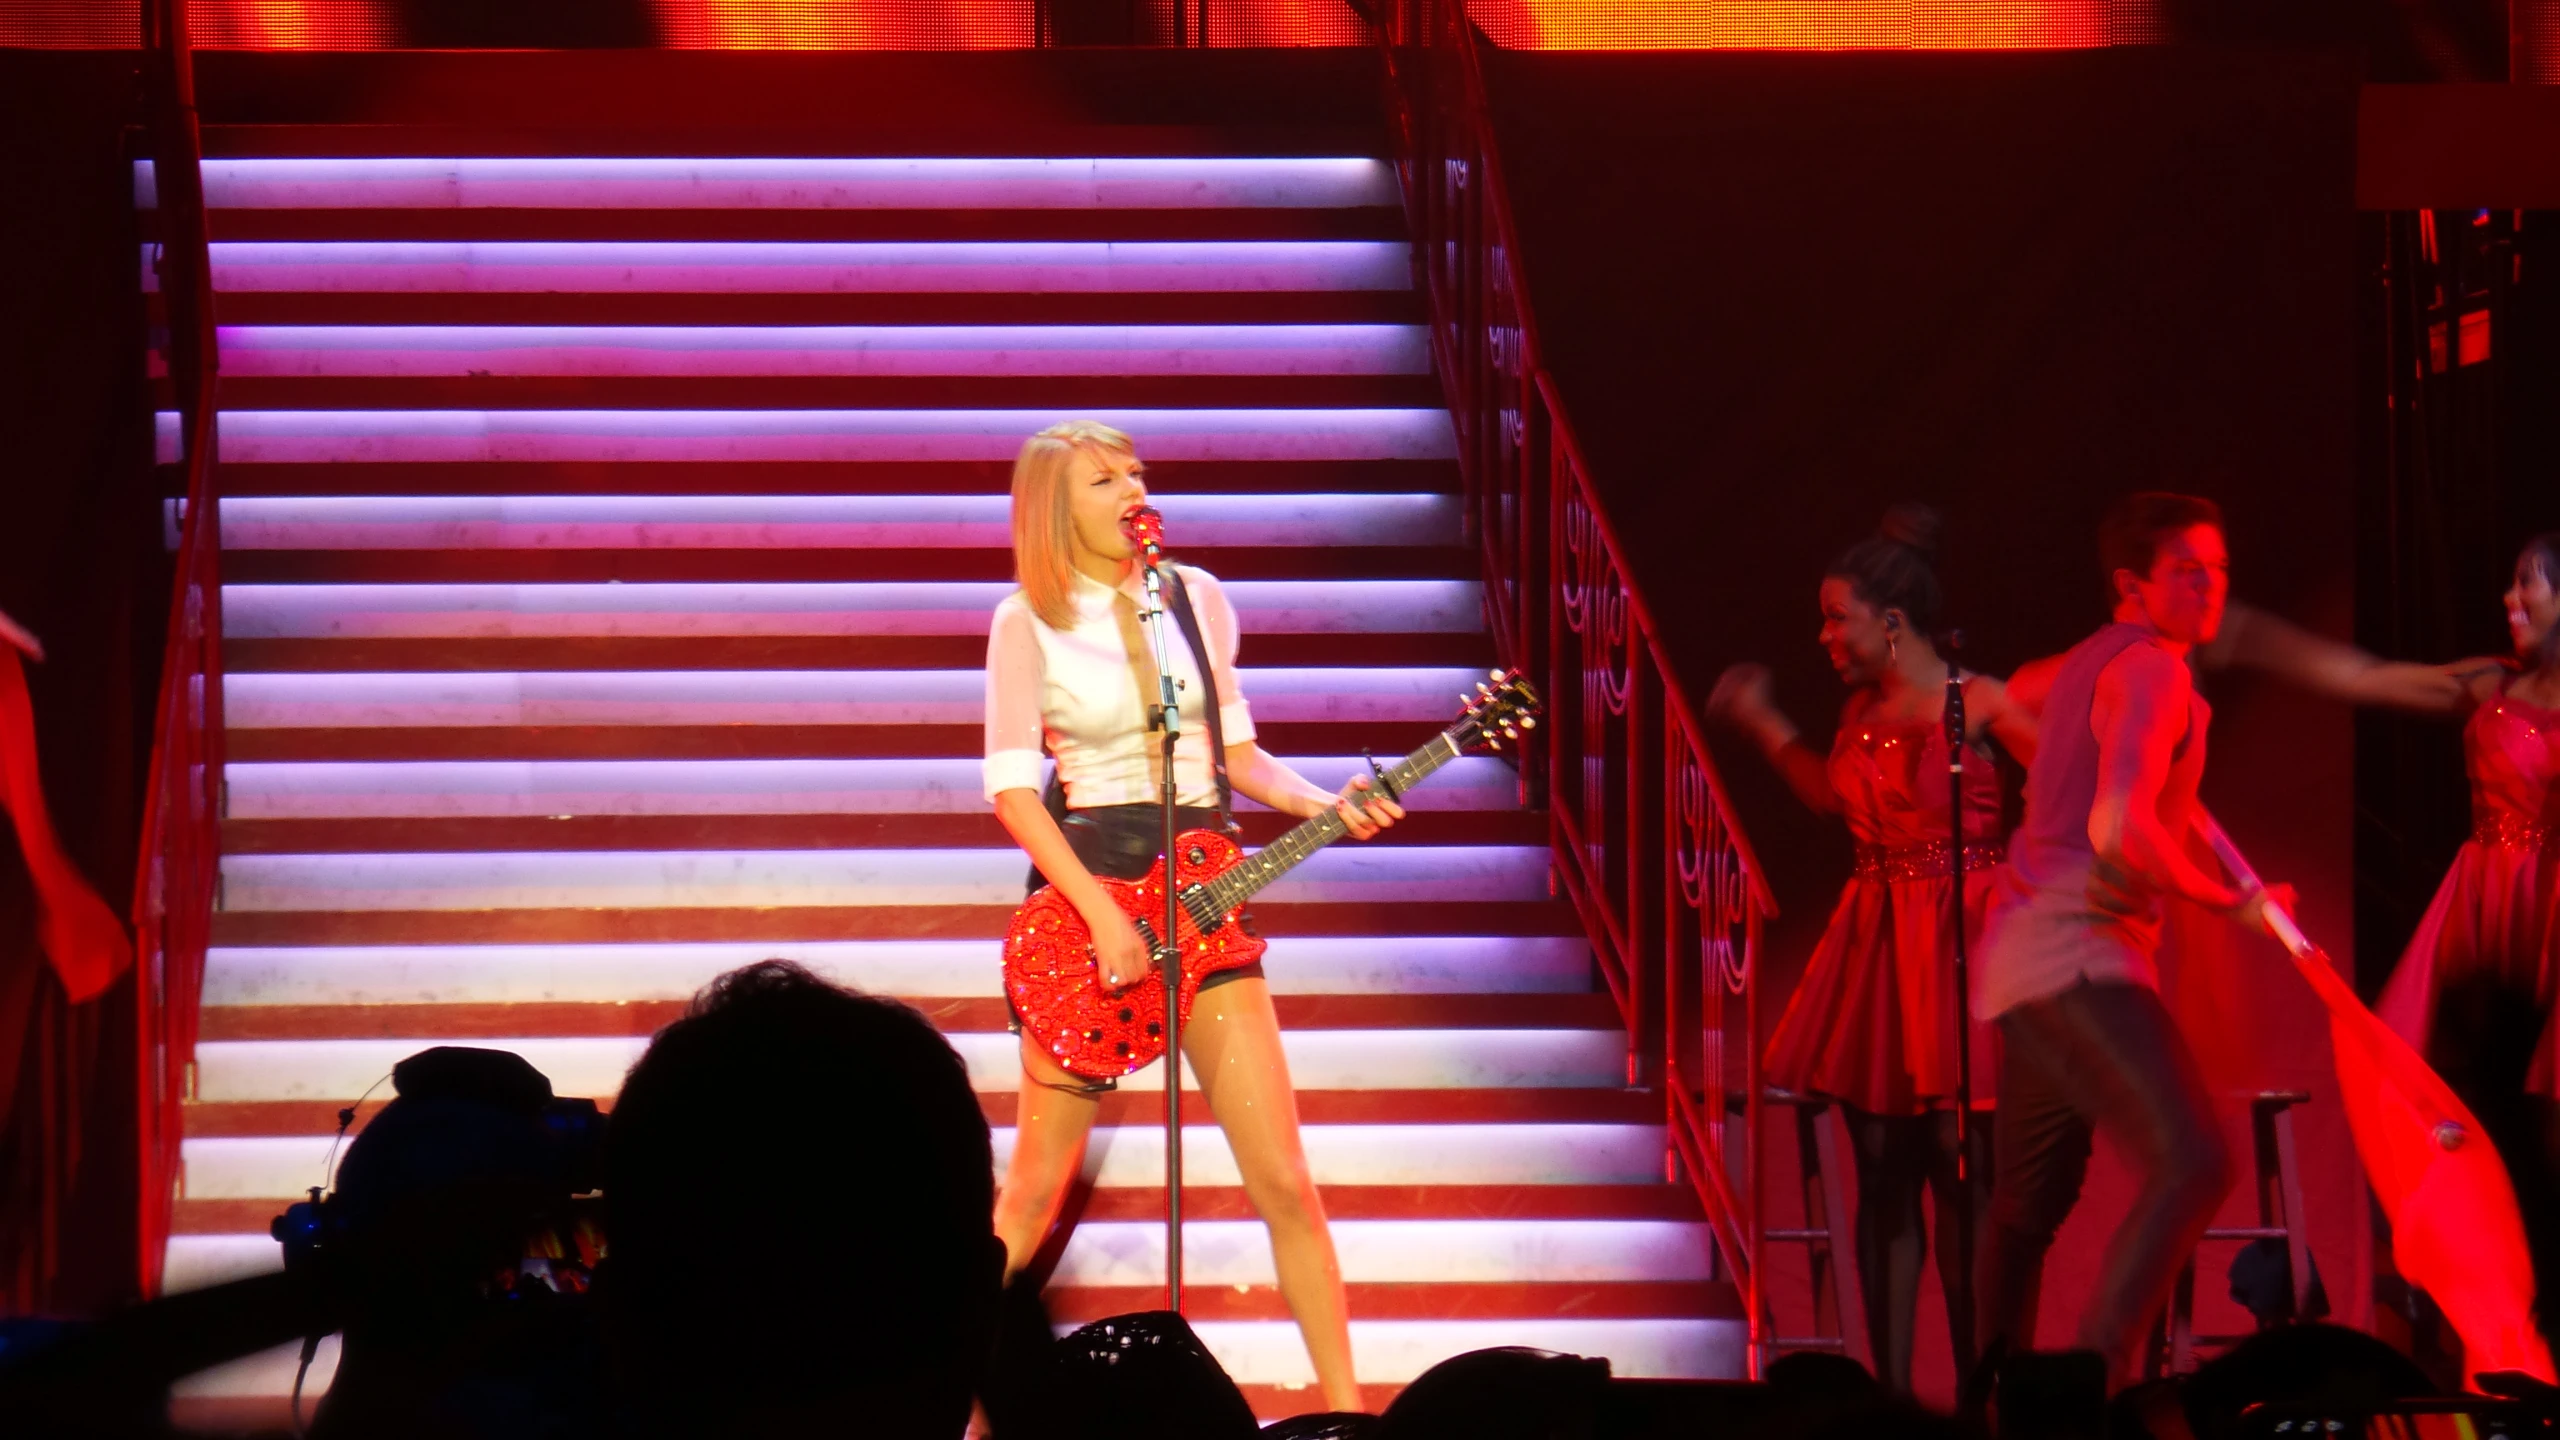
(2328, 1367)
(1506, 1393)
(799, 1189)
(437, 1198)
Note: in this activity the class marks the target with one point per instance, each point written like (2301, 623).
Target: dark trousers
(2097, 1057)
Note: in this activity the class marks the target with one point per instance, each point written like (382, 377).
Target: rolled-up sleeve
(1014, 677)
(1222, 634)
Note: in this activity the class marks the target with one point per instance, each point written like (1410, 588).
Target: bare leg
(1048, 1148)
(1233, 1041)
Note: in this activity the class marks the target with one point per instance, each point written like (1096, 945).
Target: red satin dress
(1873, 1020)
(2496, 918)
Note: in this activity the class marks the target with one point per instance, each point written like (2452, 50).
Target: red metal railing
(1646, 844)
(178, 875)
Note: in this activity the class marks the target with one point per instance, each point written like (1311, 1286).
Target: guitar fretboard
(1278, 858)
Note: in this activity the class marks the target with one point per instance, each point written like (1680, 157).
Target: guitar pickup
(1193, 897)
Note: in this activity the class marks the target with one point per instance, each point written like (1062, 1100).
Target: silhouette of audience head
(1144, 1376)
(2326, 1366)
(1507, 1393)
(799, 1189)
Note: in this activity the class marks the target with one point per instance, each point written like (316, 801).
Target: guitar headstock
(1502, 706)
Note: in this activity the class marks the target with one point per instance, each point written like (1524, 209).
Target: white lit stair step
(753, 267)
(738, 522)
(281, 699)
(491, 612)
(343, 789)
(1268, 1352)
(286, 1167)
(1238, 1252)
(270, 437)
(447, 351)
(605, 974)
(1415, 1059)
(788, 183)
(566, 879)
(1253, 1352)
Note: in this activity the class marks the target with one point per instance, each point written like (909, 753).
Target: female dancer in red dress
(1873, 1021)
(1066, 666)
(2476, 986)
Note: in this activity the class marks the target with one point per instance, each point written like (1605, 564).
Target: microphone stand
(1166, 714)
(1960, 1284)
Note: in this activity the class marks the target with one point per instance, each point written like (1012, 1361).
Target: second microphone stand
(1960, 1284)
(1166, 715)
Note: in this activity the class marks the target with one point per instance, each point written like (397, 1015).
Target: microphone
(1145, 528)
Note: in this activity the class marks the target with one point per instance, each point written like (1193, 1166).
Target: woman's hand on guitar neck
(1120, 955)
(1363, 814)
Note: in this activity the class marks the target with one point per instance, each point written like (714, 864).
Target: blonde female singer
(1067, 666)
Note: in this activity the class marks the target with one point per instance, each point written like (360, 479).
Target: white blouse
(1076, 690)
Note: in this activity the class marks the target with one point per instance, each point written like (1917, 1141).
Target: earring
(1893, 645)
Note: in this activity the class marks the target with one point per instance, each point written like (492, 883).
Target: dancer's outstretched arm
(2256, 640)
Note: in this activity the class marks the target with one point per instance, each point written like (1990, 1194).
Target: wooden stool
(1839, 1309)
(2279, 1218)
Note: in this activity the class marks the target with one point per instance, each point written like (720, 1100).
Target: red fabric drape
(2455, 1230)
(60, 948)
(80, 936)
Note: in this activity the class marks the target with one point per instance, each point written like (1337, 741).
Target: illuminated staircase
(609, 563)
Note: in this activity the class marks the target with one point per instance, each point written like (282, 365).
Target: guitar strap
(1179, 595)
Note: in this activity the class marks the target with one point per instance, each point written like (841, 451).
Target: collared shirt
(1076, 690)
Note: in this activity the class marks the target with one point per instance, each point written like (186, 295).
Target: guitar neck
(1309, 836)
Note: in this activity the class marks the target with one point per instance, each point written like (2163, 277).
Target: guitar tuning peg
(1528, 722)
(1494, 674)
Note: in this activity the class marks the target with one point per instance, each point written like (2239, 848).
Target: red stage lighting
(1013, 24)
(1819, 24)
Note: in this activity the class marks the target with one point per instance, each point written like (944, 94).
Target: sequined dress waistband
(2508, 831)
(1925, 861)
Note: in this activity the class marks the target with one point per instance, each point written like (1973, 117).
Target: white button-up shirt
(1076, 690)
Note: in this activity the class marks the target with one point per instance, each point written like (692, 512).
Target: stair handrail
(1646, 842)
(177, 875)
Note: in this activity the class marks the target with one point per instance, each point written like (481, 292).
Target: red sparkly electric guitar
(1050, 971)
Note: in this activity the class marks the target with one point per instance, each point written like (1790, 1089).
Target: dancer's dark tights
(1898, 1157)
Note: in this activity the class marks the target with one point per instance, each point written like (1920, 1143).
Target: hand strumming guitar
(1120, 954)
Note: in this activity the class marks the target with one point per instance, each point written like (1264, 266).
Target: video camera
(481, 1122)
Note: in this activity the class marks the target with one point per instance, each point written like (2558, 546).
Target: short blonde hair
(1040, 528)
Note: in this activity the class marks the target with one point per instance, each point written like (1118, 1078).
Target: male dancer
(2068, 967)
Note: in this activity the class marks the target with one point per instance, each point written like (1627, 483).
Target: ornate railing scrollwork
(1645, 844)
